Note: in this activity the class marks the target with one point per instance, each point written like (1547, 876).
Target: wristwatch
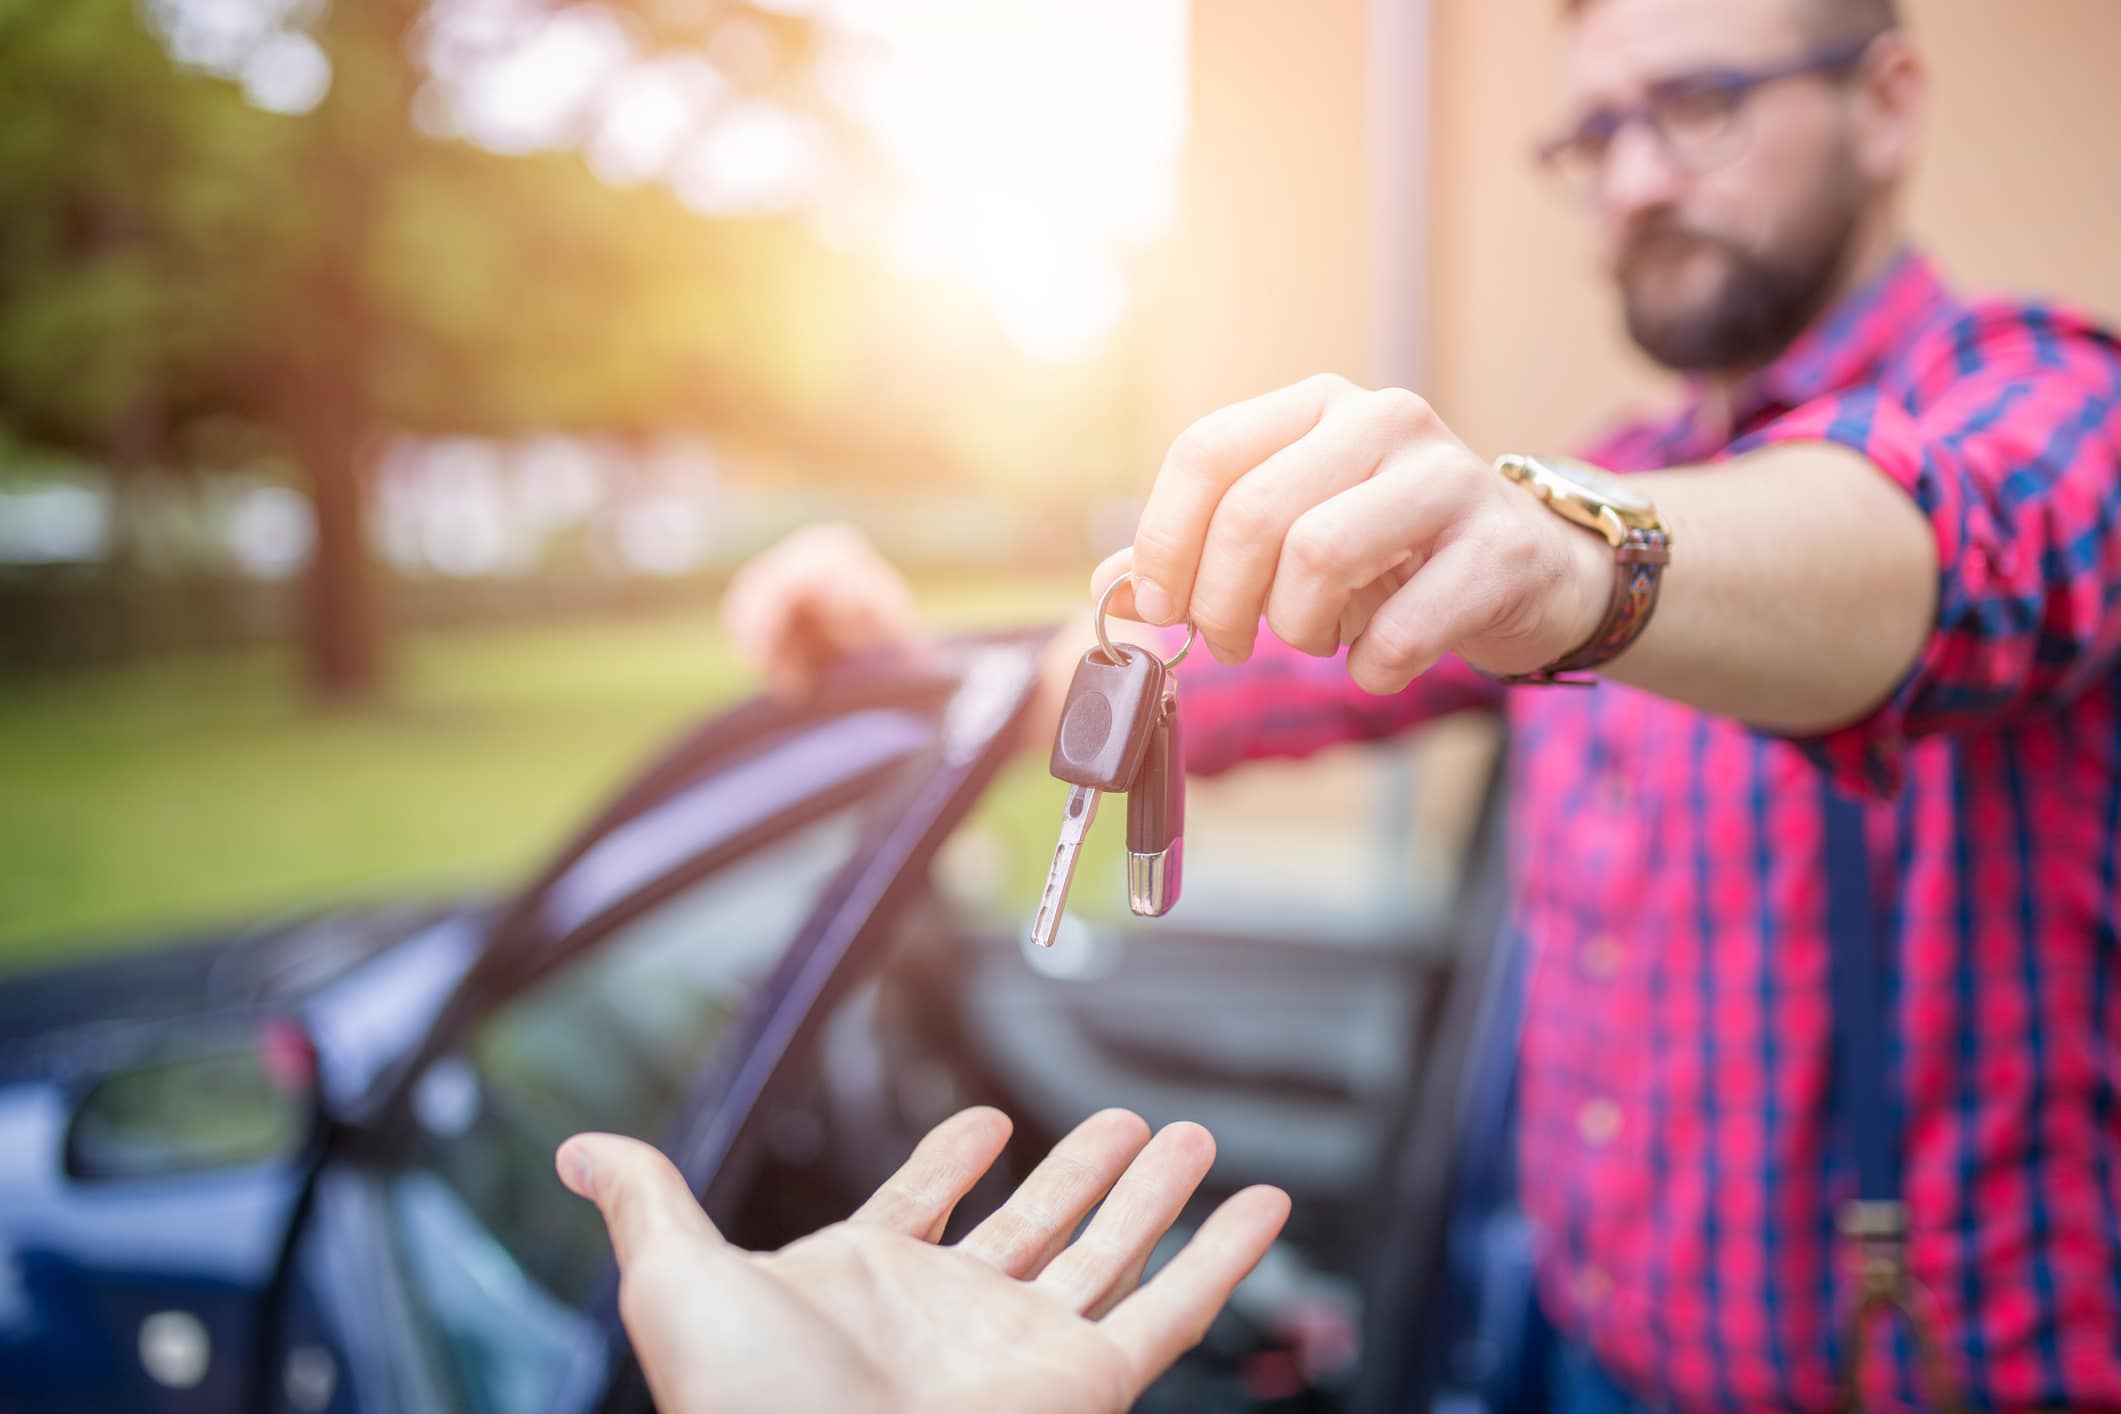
(1642, 547)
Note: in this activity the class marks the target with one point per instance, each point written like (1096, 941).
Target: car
(308, 1166)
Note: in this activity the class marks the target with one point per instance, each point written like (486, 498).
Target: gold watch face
(1584, 494)
(1605, 486)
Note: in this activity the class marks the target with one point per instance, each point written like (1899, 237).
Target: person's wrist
(1588, 593)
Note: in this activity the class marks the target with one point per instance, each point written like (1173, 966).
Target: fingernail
(1151, 602)
(581, 1175)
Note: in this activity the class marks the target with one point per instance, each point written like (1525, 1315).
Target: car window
(501, 1257)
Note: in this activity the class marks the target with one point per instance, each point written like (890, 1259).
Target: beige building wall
(1273, 277)
(1268, 278)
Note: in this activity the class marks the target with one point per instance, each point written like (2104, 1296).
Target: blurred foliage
(176, 260)
(190, 283)
(141, 200)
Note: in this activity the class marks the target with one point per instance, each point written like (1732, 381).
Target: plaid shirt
(1677, 1142)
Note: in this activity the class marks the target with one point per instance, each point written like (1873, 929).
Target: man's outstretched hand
(872, 1313)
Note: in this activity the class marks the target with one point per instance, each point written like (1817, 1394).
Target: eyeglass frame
(1737, 85)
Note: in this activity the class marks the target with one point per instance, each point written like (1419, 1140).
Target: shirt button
(1593, 1286)
(1598, 1121)
(1601, 956)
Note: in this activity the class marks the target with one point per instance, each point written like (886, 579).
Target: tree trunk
(343, 638)
(355, 136)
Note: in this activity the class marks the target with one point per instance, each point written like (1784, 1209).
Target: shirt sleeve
(2010, 442)
(1282, 702)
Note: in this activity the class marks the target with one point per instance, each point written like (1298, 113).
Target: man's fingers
(868, 607)
(1363, 603)
(1456, 596)
(1114, 565)
(828, 624)
(748, 610)
(1165, 641)
(771, 612)
(1201, 465)
(1022, 1235)
(1168, 1316)
(642, 1196)
(1341, 546)
(1140, 1209)
(820, 594)
(1243, 554)
(1121, 606)
(919, 1198)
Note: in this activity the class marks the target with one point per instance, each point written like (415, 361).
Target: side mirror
(204, 1102)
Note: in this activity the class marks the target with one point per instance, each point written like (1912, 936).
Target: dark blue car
(309, 1167)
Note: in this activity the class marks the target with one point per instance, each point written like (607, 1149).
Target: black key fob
(1108, 718)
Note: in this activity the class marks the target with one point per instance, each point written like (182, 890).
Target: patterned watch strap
(1638, 568)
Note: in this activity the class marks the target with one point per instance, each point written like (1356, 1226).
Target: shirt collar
(1846, 348)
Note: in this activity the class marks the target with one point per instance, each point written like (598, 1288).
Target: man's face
(1720, 263)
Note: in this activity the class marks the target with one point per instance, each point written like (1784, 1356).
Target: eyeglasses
(1694, 117)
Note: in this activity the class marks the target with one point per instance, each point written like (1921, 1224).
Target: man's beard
(1760, 305)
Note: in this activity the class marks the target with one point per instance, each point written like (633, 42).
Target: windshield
(501, 1257)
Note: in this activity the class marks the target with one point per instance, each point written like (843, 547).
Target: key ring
(1112, 655)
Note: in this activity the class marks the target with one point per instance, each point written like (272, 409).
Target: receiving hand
(872, 1313)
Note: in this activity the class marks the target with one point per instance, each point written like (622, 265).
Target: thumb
(642, 1196)
(1114, 565)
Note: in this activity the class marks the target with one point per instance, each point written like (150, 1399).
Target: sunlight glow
(1029, 149)
(1036, 146)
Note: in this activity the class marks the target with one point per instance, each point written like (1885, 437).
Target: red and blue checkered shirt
(1678, 1145)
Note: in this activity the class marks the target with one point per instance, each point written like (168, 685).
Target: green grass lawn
(135, 802)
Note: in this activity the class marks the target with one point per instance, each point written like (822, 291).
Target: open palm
(872, 1313)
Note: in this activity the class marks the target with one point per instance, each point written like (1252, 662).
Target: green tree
(176, 259)
(444, 287)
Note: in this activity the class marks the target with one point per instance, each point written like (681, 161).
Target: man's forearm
(1802, 587)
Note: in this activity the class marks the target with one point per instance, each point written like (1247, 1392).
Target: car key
(1156, 814)
(1105, 730)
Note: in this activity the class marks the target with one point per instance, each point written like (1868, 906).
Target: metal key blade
(1075, 826)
